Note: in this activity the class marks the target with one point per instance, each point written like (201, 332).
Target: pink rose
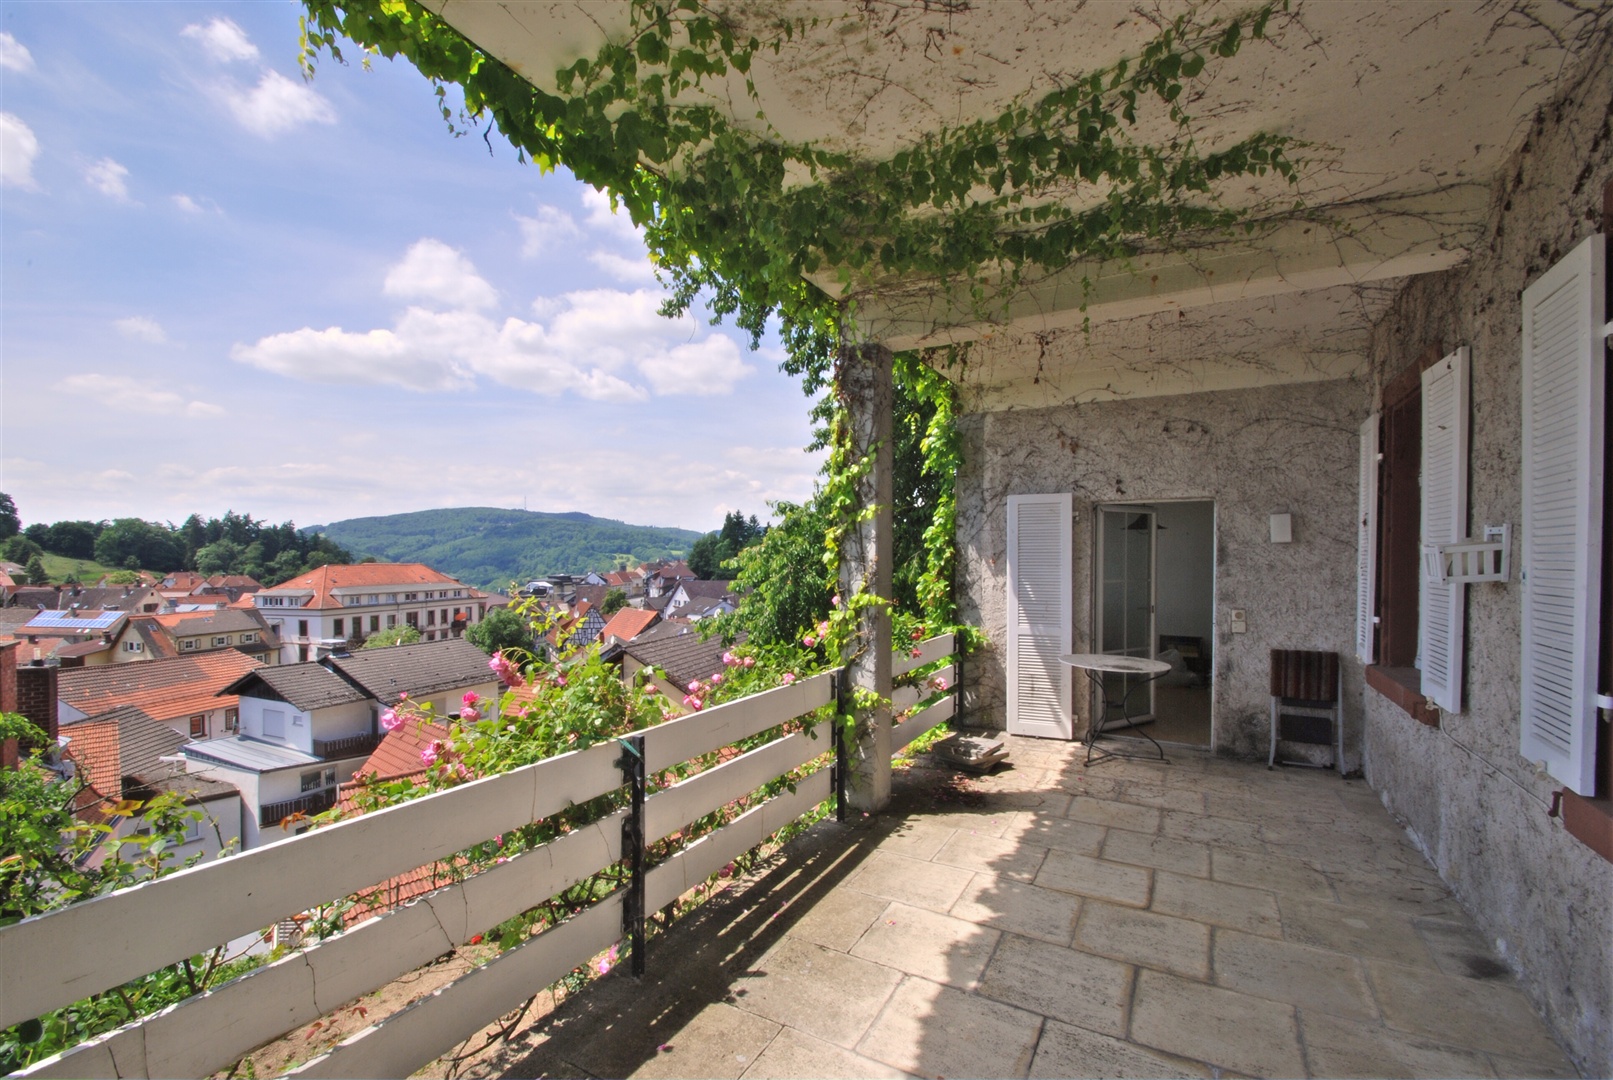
(835, 600)
(693, 687)
(403, 696)
(750, 661)
(469, 714)
(429, 755)
(391, 720)
(729, 659)
(787, 678)
(809, 641)
(823, 629)
(471, 697)
(716, 680)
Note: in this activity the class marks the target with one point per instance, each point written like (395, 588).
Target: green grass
(88, 571)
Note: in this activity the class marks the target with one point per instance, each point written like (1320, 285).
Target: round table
(1096, 666)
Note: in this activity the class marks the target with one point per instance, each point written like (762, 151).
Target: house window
(193, 830)
(220, 642)
(198, 727)
(232, 719)
(274, 723)
(188, 644)
(134, 646)
(302, 627)
(445, 615)
(339, 627)
(375, 623)
(313, 781)
(413, 619)
(249, 637)
(391, 621)
(431, 618)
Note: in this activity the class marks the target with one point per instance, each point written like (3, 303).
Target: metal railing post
(632, 765)
(843, 706)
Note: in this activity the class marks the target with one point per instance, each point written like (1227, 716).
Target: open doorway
(1156, 598)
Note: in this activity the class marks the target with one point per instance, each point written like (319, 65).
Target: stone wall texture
(1476, 806)
(1254, 452)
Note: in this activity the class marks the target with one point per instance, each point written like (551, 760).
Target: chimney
(9, 751)
(36, 696)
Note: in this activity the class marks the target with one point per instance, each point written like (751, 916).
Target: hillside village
(260, 705)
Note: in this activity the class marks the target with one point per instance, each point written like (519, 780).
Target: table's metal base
(1100, 724)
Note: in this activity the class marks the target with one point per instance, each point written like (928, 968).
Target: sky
(228, 288)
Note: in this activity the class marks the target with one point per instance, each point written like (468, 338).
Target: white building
(334, 605)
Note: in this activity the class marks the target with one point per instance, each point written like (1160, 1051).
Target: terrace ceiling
(1408, 110)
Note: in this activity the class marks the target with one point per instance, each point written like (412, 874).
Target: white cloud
(276, 105)
(109, 178)
(639, 271)
(141, 328)
(190, 205)
(615, 224)
(601, 344)
(223, 39)
(546, 231)
(435, 273)
(14, 55)
(18, 149)
(123, 392)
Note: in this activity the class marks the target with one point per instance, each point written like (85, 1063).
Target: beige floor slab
(1511, 1068)
(980, 822)
(1312, 979)
(1189, 857)
(1029, 910)
(1487, 1015)
(839, 919)
(793, 1055)
(1065, 984)
(1045, 830)
(1227, 832)
(1226, 1029)
(1095, 877)
(1459, 948)
(922, 884)
(721, 1041)
(1337, 1047)
(1119, 815)
(1237, 907)
(1166, 797)
(1067, 1051)
(936, 947)
(916, 838)
(988, 854)
(934, 1030)
(1145, 938)
(1365, 932)
(1280, 875)
(816, 990)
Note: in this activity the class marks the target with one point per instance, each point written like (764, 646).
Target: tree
(784, 584)
(146, 543)
(220, 557)
(36, 572)
(74, 539)
(705, 557)
(396, 635)
(615, 600)
(10, 523)
(502, 629)
(19, 549)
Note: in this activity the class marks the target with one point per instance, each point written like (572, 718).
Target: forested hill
(488, 547)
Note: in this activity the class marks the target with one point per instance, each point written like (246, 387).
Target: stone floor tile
(1337, 1047)
(1095, 877)
(936, 947)
(987, 854)
(1365, 932)
(1237, 907)
(1487, 1015)
(1459, 948)
(816, 990)
(1258, 871)
(1226, 1029)
(1065, 984)
(1511, 1068)
(1182, 800)
(980, 822)
(1412, 897)
(1120, 815)
(1224, 832)
(934, 1030)
(1030, 910)
(794, 1055)
(1145, 938)
(1046, 830)
(1311, 979)
(896, 877)
(1067, 1051)
(916, 838)
(838, 919)
(1189, 857)
(721, 1041)
(1096, 785)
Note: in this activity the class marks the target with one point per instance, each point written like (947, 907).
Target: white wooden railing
(55, 959)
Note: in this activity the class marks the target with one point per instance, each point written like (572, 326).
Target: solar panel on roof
(83, 622)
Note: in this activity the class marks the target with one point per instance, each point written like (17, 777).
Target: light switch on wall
(1239, 622)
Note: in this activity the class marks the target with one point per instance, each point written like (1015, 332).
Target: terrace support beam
(863, 380)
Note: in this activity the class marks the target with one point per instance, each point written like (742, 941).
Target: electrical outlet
(1239, 623)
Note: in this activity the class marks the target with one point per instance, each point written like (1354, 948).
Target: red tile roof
(167, 689)
(628, 624)
(323, 581)
(398, 754)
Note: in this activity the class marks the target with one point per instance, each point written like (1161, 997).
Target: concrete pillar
(863, 377)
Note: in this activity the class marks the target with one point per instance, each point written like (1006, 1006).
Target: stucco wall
(1477, 807)
(1255, 452)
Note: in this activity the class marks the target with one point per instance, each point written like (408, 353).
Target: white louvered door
(1444, 516)
(1366, 566)
(1564, 362)
(1040, 599)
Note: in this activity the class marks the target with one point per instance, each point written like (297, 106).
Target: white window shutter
(1366, 564)
(1444, 508)
(1563, 429)
(1040, 599)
